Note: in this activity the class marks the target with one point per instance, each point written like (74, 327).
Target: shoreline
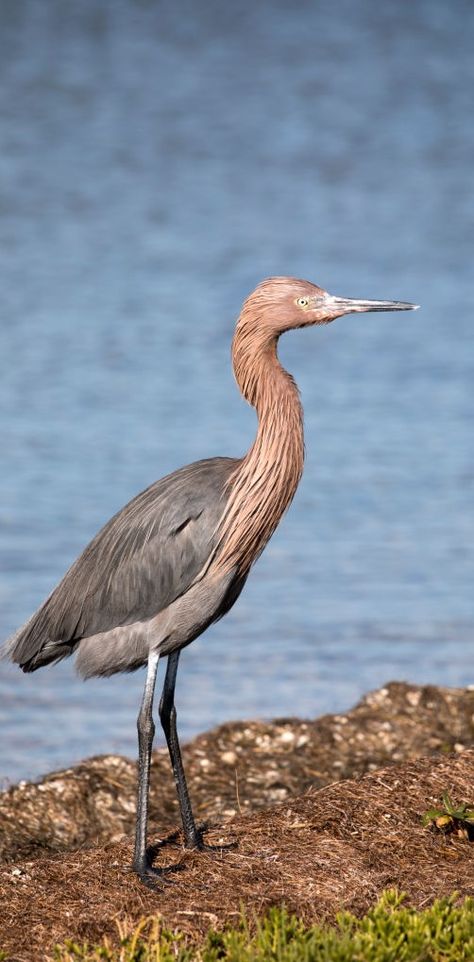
(236, 768)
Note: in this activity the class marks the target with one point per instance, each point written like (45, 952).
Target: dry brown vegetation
(238, 767)
(335, 848)
(317, 851)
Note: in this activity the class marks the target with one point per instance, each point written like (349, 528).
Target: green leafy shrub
(389, 932)
(451, 817)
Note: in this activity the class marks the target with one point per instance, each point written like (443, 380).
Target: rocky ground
(235, 768)
(324, 815)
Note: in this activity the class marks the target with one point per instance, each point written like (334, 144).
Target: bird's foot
(219, 848)
(195, 840)
(153, 878)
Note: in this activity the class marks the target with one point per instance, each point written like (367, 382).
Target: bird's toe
(153, 878)
(197, 842)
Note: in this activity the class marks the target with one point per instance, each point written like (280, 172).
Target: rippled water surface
(156, 161)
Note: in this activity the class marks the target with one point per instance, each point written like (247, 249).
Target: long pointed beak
(348, 305)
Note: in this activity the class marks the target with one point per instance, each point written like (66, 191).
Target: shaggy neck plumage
(265, 482)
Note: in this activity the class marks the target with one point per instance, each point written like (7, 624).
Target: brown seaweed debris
(335, 848)
(237, 767)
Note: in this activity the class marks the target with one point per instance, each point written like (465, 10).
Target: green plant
(451, 817)
(389, 932)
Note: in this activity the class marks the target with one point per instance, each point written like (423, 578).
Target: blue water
(157, 160)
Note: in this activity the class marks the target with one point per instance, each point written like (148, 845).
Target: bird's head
(282, 303)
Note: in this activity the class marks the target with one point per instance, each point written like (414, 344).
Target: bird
(175, 559)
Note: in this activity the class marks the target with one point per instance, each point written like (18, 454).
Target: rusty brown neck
(266, 480)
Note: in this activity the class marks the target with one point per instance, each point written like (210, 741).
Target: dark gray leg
(168, 720)
(146, 731)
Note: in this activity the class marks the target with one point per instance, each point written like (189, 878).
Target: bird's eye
(302, 301)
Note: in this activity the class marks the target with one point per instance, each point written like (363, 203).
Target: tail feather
(50, 653)
(31, 647)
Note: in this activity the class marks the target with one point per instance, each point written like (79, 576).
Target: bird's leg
(146, 731)
(167, 711)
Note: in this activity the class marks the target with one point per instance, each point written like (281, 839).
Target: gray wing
(144, 558)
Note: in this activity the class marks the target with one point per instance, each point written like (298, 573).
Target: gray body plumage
(142, 584)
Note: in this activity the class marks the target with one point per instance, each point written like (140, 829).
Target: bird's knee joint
(146, 726)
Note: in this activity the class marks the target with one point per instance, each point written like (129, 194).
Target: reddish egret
(176, 558)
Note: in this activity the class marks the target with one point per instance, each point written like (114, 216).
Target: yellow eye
(302, 301)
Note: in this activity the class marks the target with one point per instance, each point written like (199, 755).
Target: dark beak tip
(392, 306)
(408, 307)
